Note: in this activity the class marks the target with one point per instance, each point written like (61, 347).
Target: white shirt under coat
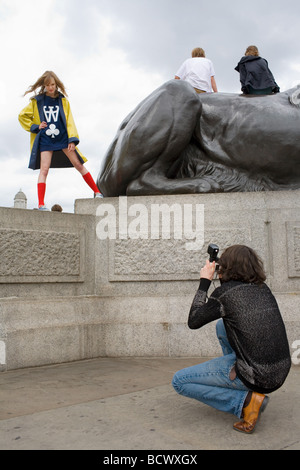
(197, 71)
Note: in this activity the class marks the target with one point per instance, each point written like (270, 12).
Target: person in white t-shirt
(199, 72)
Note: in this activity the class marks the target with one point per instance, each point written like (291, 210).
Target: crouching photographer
(256, 357)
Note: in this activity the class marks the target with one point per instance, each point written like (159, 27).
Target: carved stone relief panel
(41, 256)
(153, 260)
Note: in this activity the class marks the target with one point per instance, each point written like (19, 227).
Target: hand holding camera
(207, 272)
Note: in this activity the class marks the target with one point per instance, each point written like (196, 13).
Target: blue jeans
(210, 383)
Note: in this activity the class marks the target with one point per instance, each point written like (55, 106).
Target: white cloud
(111, 54)
(102, 88)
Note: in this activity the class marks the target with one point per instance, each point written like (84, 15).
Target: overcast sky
(111, 54)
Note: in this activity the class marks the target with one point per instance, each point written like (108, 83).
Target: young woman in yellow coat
(54, 137)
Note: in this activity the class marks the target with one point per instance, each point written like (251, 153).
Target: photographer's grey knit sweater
(254, 327)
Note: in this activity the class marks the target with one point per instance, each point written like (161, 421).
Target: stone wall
(46, 276)
(66, 294)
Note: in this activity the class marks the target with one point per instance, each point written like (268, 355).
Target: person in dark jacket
(255, 76)
(256, 356)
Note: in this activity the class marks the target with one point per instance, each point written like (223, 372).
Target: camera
(213, 251)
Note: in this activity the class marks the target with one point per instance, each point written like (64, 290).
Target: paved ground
(129, 404)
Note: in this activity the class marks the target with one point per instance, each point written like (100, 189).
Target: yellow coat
(31, 117)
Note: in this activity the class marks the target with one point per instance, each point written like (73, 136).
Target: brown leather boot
(251, 413)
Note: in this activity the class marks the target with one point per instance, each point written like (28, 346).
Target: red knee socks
(89, 180)
(41, 187)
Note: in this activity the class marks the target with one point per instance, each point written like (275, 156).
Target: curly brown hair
(44, 80)
(241, 263)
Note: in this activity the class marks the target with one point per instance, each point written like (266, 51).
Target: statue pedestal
(146, 284)
(118, 277)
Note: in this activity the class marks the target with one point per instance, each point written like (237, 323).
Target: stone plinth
(117, 278)
(147, 284)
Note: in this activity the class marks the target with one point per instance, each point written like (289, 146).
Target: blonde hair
(43, 81)
(198, 52)
(252, 50)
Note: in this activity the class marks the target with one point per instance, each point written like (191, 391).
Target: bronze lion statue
(178, 142)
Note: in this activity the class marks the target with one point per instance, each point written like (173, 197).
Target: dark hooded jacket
(254, 72)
